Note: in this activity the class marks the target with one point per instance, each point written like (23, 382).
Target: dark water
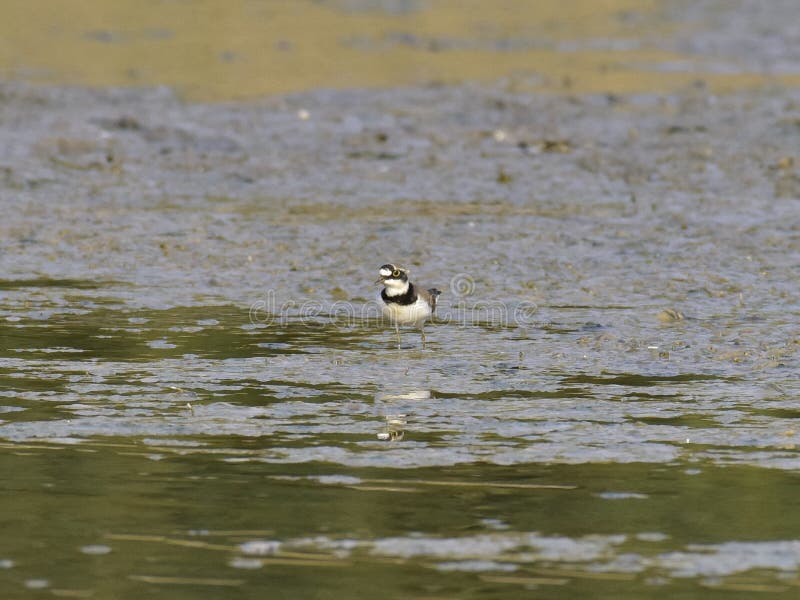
(197, 398)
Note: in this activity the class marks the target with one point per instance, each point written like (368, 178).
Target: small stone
(503, 176)
(670, 315)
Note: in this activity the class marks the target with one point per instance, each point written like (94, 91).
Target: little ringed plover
(402, 302)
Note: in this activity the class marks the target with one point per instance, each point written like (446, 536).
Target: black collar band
(403, 299)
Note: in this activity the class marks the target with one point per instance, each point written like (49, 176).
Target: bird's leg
(397, 331)
(422, 331)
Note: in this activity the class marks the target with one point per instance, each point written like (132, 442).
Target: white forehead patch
(385, 272)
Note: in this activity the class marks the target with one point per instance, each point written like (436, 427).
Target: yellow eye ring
(396, 273)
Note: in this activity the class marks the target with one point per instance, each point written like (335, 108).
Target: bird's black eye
(396, 273)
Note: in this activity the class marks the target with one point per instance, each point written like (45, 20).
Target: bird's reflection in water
(396, 422)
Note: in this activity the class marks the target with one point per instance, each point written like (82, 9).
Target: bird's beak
(380, 280)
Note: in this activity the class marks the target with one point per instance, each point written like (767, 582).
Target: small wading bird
(402, 302)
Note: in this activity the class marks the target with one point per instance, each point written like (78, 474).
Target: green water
(192, 518)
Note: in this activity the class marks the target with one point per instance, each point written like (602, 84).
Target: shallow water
(246, 49)
(197, 397)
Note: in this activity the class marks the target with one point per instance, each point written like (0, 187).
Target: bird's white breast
(406, 314)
